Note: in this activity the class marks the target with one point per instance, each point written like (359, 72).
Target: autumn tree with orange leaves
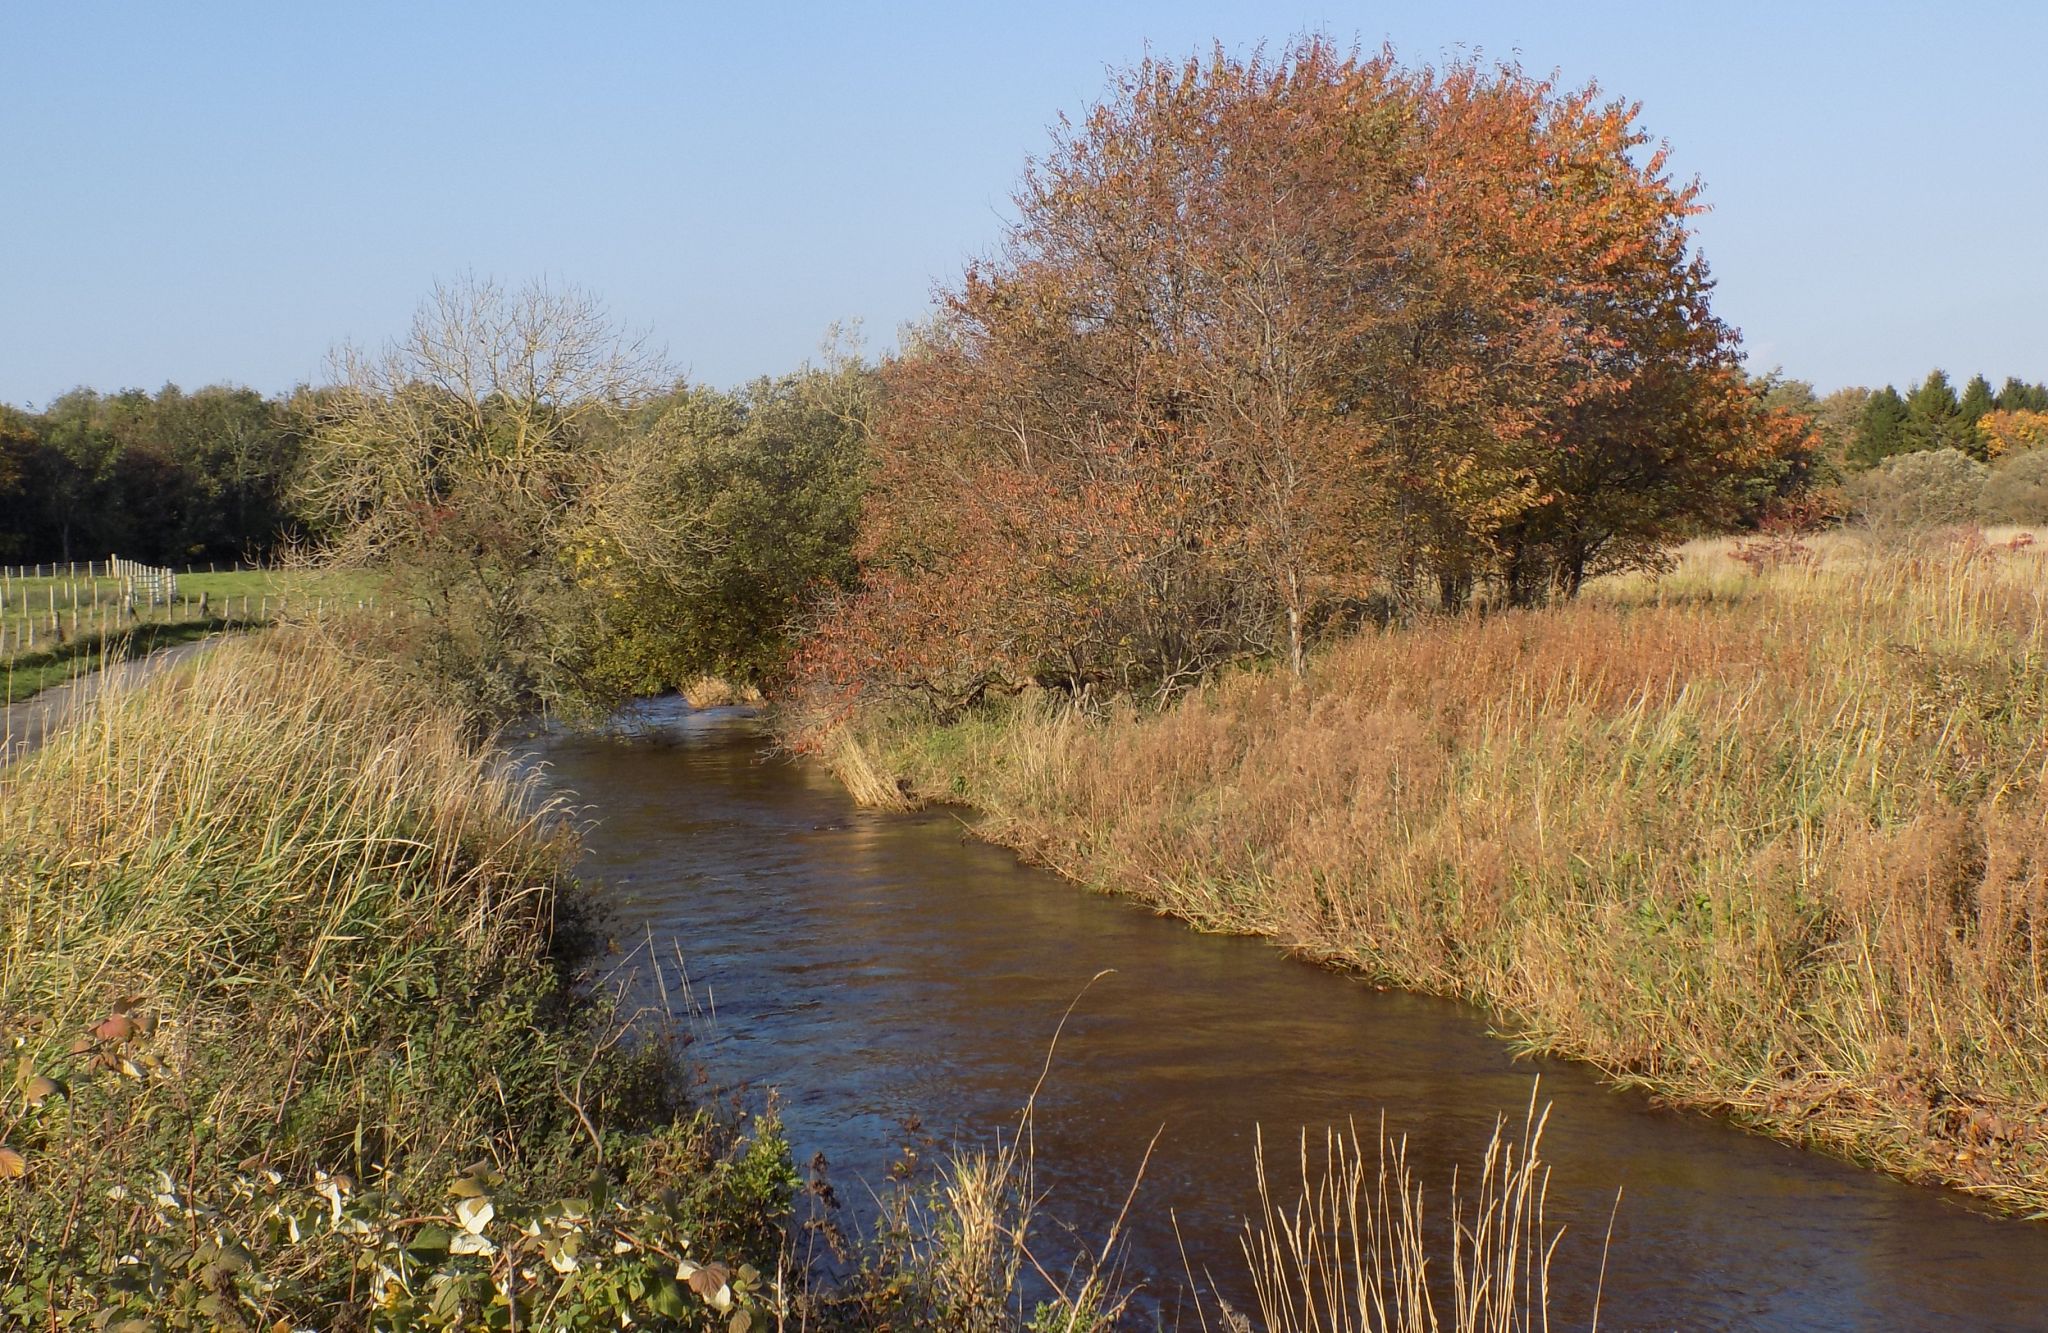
(1274, 345)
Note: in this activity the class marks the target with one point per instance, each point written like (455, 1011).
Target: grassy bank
(284, 971)
(1773, 844)
(285, 983)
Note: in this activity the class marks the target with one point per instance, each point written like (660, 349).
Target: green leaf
(668, 1299)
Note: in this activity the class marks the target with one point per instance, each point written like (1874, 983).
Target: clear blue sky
(208, 192)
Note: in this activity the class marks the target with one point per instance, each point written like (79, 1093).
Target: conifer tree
(1977, 399)
(1882, 431)
(2019, 396)
(1933, 415)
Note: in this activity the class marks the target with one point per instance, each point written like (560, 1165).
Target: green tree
(171, 477)
(1881, 431)
(1977, 399)
(1933, 415)
(771, 478)
(76, 481)
(2016, 395)
(237, 451)
(471, 461)
(19, 519)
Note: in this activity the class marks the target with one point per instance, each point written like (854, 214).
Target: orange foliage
(1277, 344)
(2013, 432)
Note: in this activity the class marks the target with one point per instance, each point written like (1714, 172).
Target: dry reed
(1352, 1254)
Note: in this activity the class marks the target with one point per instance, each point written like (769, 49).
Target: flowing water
(899, 982)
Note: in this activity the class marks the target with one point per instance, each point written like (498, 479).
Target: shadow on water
(886, 971)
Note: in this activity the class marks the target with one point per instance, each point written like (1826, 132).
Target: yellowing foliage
(2014, 432)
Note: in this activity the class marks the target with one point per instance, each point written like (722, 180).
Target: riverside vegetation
(1769, 843)
(1278, 527)
(285, 978)
(287, 981)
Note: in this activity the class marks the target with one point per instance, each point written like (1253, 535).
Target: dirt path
(25, 725)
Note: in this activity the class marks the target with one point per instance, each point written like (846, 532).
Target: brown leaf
(116, 1026)
(41, 1088)
(82, 1046)
(707, 1280)
(12, 1165)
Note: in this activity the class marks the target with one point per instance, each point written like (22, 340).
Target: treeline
(170, 477)
(1932, 415)
(1275, 349)
(1931, 456)
(1862, 427)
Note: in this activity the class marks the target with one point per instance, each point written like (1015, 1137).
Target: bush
(2017, 490)
(1932, 488)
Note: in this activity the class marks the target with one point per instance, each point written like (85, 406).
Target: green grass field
(56, 616)
(56, 628)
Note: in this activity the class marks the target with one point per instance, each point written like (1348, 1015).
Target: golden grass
(1771, 844)
(718, 692)
(1351, 1254)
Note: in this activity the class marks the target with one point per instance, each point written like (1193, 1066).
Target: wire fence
(53, 608)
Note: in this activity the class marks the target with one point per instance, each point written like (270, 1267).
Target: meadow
(1767, 834)
(58, 621)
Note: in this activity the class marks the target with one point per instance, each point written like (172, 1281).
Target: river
(898, 982)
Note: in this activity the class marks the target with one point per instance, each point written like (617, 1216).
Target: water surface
(899, 983)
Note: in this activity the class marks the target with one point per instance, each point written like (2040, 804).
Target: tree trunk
(1297, 654)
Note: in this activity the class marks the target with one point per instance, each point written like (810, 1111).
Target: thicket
(564, 530)
(1908, 494)
(771, 476)
(1276, 347)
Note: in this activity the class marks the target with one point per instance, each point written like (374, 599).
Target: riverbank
(1770, 844)
(286, 973)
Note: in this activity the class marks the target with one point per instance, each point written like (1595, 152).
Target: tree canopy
(1932, 415)
(1278, 343)
(172, 477)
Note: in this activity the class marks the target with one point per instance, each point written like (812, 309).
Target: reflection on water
(884, 971)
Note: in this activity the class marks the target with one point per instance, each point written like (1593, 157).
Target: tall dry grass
(1774, 844)
(1351, 1252)
(274, 933)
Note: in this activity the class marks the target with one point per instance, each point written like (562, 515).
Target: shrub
(1932, 488)
(2017, 489)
